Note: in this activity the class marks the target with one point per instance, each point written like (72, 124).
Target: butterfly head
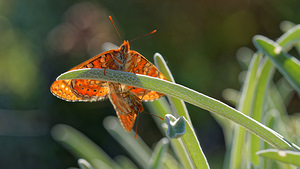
(124, 48)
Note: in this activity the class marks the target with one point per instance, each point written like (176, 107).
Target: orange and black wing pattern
(140, 65)
(126, 104)
(86, 90)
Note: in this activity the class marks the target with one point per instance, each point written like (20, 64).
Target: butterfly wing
(79, 90)
(126, 104)
(86, 90)
(140, 65)
(127, 120)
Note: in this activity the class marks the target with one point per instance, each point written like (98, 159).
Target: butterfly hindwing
(140, 65)
(126, 104)
(127, 120)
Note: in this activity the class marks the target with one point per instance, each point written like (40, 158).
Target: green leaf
(290, 38)
(290, 157)
(285, 90)
(177, 104)
(286, 64)
(83, 164)
(245, 105)
(179, 109)
(161, 107)
(193, 147)
(81, 146)
(125, 162)
(264, 75)
(231, 95)
(276, 101)
(286, 26)
(184, 93)
(158, 153)
(140, 152)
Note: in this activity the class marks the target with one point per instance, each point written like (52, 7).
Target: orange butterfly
(125, 99)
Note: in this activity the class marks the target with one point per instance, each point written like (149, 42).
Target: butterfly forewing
(86, 90)
(103, 61)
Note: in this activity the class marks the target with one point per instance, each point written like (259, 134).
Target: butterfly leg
(104, 71)
(143, 95)
(109, 65)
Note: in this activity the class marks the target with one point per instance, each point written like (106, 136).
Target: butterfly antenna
(154, 115)
(143, 35)
(110, 18)
(136, 126)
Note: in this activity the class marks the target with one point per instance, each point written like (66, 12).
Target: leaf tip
(83, 164)
(176, 127)
(282, 153)
(277, 50)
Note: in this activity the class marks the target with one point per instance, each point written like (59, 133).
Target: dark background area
(40, 39)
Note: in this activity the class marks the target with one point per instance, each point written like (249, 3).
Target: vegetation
(258, 117)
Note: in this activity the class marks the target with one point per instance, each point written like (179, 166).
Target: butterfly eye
(122, 47)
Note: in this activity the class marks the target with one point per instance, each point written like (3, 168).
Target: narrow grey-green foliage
(161, 107)
(177, 105)
(189, 143)
(186, 94)
(288, 65)
(245, 106)
(83, 164)
(290, 157)
(140, 152)
(181, 132)
(81, 146)
(125, 162)
(158, 153)
(264, 75)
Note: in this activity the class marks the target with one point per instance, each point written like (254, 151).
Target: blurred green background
(40, 39)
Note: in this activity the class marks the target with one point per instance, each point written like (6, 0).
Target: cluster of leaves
(260, 107)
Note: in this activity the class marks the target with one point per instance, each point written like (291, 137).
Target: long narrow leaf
(178, 105)
(184, 93)
(158, 153)
(81, 146)
(83, 164)
(289, 157)
(190, 144)
(140, 152)
(258, 105)
(245, 105)
(288, 39)
(286, 64)
(125, 162)
(161, 107)
(194, 148)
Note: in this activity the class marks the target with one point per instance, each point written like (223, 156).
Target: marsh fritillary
(125, 99)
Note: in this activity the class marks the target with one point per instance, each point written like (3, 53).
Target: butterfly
(125, 99)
